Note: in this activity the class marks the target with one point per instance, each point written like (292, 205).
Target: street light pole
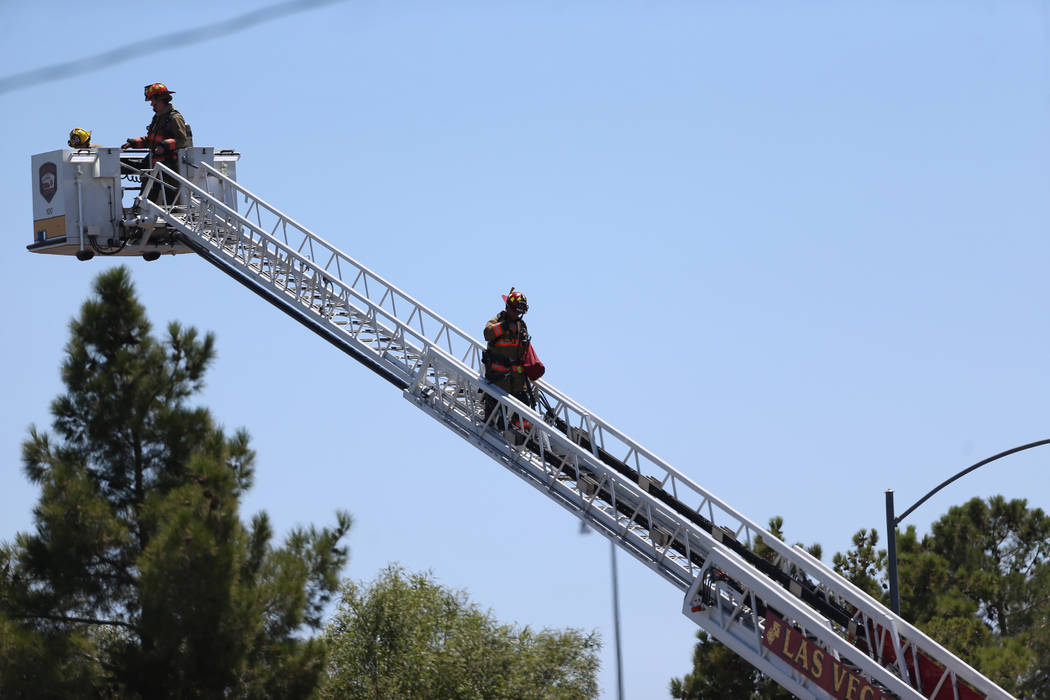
(616, 622)
(891, 545)
(892, 522)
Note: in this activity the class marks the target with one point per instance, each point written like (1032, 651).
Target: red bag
(534, 369)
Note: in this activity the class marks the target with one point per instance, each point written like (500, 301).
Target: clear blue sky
(799, 250)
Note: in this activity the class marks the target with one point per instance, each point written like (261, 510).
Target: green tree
(720, 674)
(979, 584)
(865, 566)
(405, 636)
(140, 579)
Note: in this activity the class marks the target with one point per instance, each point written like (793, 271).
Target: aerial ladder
(784, 611)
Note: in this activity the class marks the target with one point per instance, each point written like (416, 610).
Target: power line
(137, 49)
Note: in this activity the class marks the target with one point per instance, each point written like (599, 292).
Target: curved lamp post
(892, 522)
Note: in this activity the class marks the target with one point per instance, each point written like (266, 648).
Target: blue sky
(796, 249)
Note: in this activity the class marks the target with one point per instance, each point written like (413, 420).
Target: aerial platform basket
(84, 200)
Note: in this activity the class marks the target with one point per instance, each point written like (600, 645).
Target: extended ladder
(786, 613)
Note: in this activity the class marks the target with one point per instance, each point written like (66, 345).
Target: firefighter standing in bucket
(165, 135)
(81, 138)
(508, 341)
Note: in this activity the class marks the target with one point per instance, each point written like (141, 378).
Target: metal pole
(891, 546)
(969, 469)
(616, 622)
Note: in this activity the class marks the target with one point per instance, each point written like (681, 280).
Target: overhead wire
(165, 42)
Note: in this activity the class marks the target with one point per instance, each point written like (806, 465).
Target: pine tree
(140, 580)
(984, 575)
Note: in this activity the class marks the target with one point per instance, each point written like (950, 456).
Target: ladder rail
(318, 248)
(293, 268)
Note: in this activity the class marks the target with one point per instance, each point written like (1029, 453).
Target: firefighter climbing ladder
(784, 611)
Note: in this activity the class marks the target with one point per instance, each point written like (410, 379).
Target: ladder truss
(740, 582)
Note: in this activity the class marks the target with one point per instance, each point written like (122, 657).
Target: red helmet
(516, 301)
(157, 90)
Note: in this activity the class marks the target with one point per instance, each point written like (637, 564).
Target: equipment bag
(534, 369)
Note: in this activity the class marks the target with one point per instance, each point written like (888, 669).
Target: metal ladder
(737, 578)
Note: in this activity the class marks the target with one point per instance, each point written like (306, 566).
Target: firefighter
(167, 133)
(508, 340)
(81, 138)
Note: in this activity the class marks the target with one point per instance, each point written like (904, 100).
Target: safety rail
(653, 511)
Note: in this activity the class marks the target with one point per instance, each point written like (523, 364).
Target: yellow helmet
(79, 138)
